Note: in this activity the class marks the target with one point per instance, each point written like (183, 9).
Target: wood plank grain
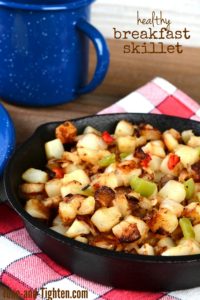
(126, 73)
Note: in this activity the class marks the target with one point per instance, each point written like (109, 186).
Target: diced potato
(35, 176)
(196, 229)
(104, 241)
(163, 219)
(126, 232)
(146, 249)
(69, 167)
(141, 225)
(69, 210)
(77, 228)
(125, 177)
(143, 202)
(87, 206)
(92, 156)
(164, 244)
(165, 169)
(126, 144)
(171, 139)
(194, 141)
(186, 135)
(186, 247)
(59, 228)
(155, 148)
(151, 133)
(29, 188)
(188, 155)
(36, 209)
(81, 239)
(72, 157)
(124, 128)
(173, 190)
(173, 206)
(105, 218)
(52, 187)
(155, 163)
(52, 202)
(78, 175)
(54, 149)
(107, 179)
(122, 204)
(73, 187)
(92, 141)
(90, 129)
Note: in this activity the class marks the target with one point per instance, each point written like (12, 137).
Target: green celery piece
(189, 188)
(107, 160)
(124, 155)
(187, 228)
(144, 187)
(88, 192)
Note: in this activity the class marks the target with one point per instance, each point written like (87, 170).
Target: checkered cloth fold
(23, 266)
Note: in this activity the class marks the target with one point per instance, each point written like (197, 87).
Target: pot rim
(72, 5)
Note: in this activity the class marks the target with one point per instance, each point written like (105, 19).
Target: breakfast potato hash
(135, 190)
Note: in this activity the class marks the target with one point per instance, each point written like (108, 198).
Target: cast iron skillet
(121, 270)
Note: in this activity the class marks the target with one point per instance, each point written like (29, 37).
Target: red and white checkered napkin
(22, 264)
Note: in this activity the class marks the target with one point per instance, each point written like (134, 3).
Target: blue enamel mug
(44, 51)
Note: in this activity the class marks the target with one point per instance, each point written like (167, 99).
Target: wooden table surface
(127, 72)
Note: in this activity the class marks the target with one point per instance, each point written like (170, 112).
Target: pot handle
(103, 55)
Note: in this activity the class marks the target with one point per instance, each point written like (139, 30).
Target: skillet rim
(71, 242)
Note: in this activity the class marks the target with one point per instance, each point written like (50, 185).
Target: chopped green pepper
(124, 155)
(107, 160)
(187, 228)
(189, 188)
(144, 187)
(89, 191)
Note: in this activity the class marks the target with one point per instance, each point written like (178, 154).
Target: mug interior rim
(66, 5)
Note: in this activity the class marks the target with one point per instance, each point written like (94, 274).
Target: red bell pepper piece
(107, 137)
(145, 162)
(173, 161)
(59, 173)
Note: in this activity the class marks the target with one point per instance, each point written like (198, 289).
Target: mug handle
(103, 55)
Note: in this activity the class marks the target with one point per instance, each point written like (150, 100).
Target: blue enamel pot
(7, 138)
(44, 51)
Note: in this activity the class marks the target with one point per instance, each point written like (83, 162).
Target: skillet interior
(121, 270)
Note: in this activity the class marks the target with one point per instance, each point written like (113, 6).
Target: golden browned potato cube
(35, 176)
(77, 228)
(87, 206)
(54, 149)
(105, 218)
(52, 187)
(78, 175)
(124, 128)
(36, 209)
(173, 190)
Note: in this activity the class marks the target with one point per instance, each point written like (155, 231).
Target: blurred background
(122, 14)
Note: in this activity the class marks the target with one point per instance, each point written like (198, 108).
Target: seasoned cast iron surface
(121, 270)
